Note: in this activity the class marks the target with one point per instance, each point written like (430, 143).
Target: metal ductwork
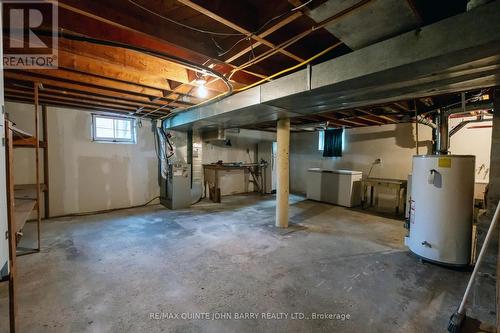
(442, 143)
(464, 123)
(219, 136)
(374, 75)
(441, 133)
(471, 4)
(424, 121)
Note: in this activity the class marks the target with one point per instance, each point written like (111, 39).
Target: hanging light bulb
(202, 90)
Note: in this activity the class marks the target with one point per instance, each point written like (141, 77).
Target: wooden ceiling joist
(74, 105)
(75, 77)
(99, 68)
(83, 97)
(90, 90)
(69, 100)
(371, 121)
(371, 117)
(264, 34)
(302, 35)
(236, 27)
(81, 17)
(132, 60)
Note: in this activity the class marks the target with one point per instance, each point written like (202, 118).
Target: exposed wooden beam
(371, 115)
(385, 117)
(91, 90)
(104, 69)
(334, 120)
(350, 116)
(96, 81)
(127, 66)
(351, 121)
(389, 119)
(402, 106)
(72, 96)
(378, 122)
(415, 11)
(96, 19)
(302, 35)
(82, 106)
(264, 34)
(236, 27)
(69, 100)
(130, 59)
(295, 3)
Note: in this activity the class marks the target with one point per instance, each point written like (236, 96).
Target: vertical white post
(283, 171)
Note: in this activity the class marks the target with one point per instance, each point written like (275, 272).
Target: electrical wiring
(216, 33)
(328, 49)
(268, 53)
(184, 25)
(303, 5)
(105, 210)
(298, 37)
(224, 52)
(200, 68)
(470, 99)
(214, 99)
(256, 32)
(208, 101)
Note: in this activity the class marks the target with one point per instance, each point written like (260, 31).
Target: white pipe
(283, 171)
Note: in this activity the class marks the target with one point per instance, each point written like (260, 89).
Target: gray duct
(476, 3)
(441, 133)
(442, 137)
(424, 121)
(457, 128)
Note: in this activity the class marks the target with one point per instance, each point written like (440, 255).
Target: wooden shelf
(27, 143)
(24, 139)
(22, 211)
(27, 191)
(24, 199)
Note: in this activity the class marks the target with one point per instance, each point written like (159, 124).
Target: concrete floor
(108, 273)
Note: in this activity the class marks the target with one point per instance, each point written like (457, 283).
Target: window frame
(97, 139)
(321, 140)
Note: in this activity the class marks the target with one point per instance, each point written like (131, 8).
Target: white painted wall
(473, 141)
(84, 175)
(393, 144)
(233, 182)
(230, 182)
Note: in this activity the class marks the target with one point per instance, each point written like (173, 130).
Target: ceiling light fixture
(202, 90)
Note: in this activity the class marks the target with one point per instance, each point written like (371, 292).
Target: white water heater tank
(441, 211)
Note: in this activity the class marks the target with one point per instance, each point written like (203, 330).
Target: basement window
(321, 140)
(112, 129)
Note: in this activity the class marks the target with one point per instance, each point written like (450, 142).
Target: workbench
(211, 175)
(398, 185)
